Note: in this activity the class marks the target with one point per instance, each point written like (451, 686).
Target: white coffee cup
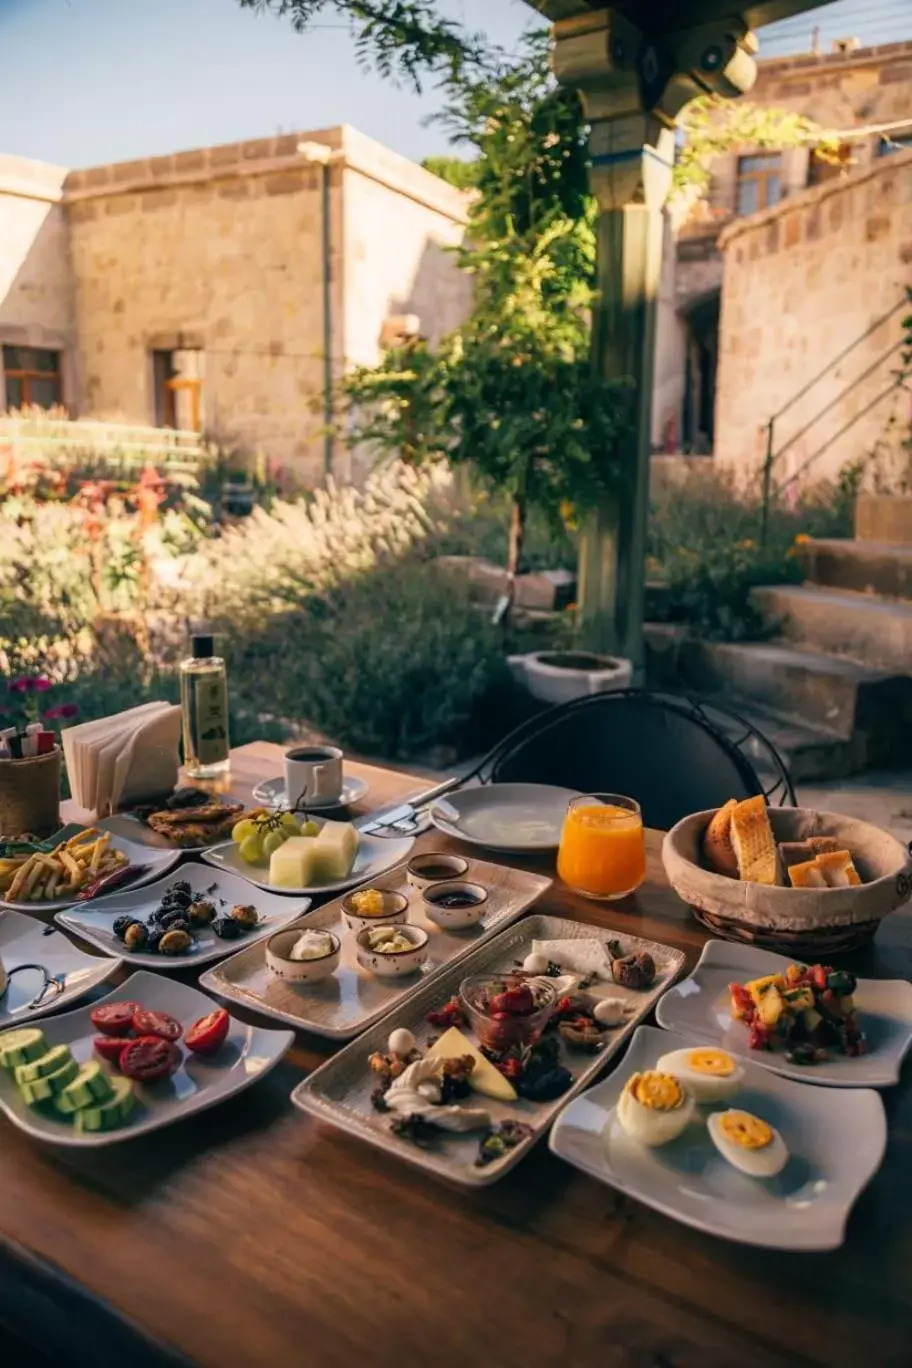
(313, 775)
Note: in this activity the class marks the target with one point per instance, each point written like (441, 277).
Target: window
(32, 377)
(759, 182)
(178, 379)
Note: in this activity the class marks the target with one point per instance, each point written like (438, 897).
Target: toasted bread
(800, 852)
(838, 869)
(752, 839)
(718, 851)
(807, 875)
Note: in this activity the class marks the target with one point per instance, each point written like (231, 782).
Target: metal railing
(898, 380)
(28, 436)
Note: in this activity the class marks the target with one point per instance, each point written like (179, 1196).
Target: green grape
(252, 850)
(309, 829)
(242, 829)
(272, 840)
(290, 823)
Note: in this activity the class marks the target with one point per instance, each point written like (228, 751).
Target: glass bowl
(501, 1029)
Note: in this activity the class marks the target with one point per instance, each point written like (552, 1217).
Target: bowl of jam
(454, 904)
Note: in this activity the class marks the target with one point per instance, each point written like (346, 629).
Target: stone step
(875, 631)
(865, 567)
(832, 717)
(810, 753)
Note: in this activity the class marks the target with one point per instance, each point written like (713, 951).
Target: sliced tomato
(148, 1023)
(148, 1059)
(114, 1018)
(110, 1048)
(207, 1034)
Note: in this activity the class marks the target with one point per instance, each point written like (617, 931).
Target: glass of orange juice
(602, 848)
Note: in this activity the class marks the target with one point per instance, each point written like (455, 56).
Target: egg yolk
(657, 1091)
(715, 1062)
(745, 1130)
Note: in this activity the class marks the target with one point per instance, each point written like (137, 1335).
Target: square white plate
(94, 921)
(25, 940)
(156, 863)
(836, 1142)
(376, 854)
(247, 1055)
(700, 1006)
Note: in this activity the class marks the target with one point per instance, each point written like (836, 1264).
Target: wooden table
(249, 1236)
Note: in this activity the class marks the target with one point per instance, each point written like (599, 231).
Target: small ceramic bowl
(471, 896)
(278, 950)
(398, 962)
(395, 910)
(422, 871)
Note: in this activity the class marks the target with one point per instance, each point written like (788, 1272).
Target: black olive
(170, 916)
(154, 939)
(121, 924)
(180, 924)
(226, 928)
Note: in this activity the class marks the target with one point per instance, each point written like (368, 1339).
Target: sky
(83, 82)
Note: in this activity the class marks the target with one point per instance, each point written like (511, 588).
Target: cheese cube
(292, 865)
(336, 848)
(484, 1078)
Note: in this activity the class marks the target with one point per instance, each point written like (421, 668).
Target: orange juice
(602, 851)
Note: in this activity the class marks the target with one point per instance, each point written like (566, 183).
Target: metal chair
(674, 753)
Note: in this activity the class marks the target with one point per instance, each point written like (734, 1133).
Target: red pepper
(108, 881)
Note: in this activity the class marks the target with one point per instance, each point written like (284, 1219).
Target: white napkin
(123, 758)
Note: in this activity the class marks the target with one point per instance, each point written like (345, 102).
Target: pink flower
(30, 684)
(63, 711)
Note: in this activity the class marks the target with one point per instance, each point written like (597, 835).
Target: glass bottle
(204, 703)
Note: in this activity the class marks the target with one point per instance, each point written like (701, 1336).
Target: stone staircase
(833, 688)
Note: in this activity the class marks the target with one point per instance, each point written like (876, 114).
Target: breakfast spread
(748, 1143)
(739, 843)
(368, 902)
(260, 833)
(654, 1107)
(708, 1073)
(181, 914)
(807, 1011)
(81, 866)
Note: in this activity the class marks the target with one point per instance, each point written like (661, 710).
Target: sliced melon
(108, 1115)
(336, 848)
(484, 1078)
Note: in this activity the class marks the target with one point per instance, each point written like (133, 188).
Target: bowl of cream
(301, 955)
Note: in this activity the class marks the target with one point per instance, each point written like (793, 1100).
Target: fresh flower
(29, 684)
(60, 713)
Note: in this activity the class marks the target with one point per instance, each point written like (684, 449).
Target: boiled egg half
(654, 1107)
(709, 1074)
(748, 1142)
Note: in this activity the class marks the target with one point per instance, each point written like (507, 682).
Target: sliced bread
(806, 875)
(831, 869)
(800, 852)
(718, 851)
(754, 846)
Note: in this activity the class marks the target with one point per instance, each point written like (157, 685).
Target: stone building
(864, 94)
(224, 289)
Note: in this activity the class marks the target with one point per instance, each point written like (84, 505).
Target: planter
(560, 676)
(30, 795)
(884, 518)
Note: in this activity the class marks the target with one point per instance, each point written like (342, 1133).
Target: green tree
(455, 170)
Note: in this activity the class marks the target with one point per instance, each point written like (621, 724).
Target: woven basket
(799, 921)
(30, 795)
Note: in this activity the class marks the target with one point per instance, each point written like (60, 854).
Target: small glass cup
(602, 850)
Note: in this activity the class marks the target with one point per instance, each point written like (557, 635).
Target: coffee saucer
(271, 793)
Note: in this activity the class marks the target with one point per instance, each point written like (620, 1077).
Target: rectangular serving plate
(351, 1000)
(339, 1092)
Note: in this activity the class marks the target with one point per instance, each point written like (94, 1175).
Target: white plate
(24, 940)
(271, 793)
(836, 1143)
(94, 921)
(157, 863)
(376, 854)
(700, 1006)
(247, 1055)
(518, 817)
(123, 824)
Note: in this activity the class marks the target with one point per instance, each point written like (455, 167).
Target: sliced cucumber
(43, 1089)
(90, 1086)
(19, 1047)
(111, 1114)
(44, 1064)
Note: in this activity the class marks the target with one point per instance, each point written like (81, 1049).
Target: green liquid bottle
(204, 701)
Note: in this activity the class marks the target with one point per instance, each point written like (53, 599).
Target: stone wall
(221, 250)
(802, 282)
(36, 297)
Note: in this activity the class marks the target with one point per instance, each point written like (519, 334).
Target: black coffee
(310, 753)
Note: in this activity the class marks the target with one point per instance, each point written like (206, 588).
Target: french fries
(62, 872)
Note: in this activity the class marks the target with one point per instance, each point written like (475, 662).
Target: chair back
(663, 751)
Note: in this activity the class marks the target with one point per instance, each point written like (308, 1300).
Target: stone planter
(560, 676)
(884, 518)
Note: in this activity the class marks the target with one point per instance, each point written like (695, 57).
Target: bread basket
(802, 921)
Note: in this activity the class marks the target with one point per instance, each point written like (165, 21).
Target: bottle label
(211, 720)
